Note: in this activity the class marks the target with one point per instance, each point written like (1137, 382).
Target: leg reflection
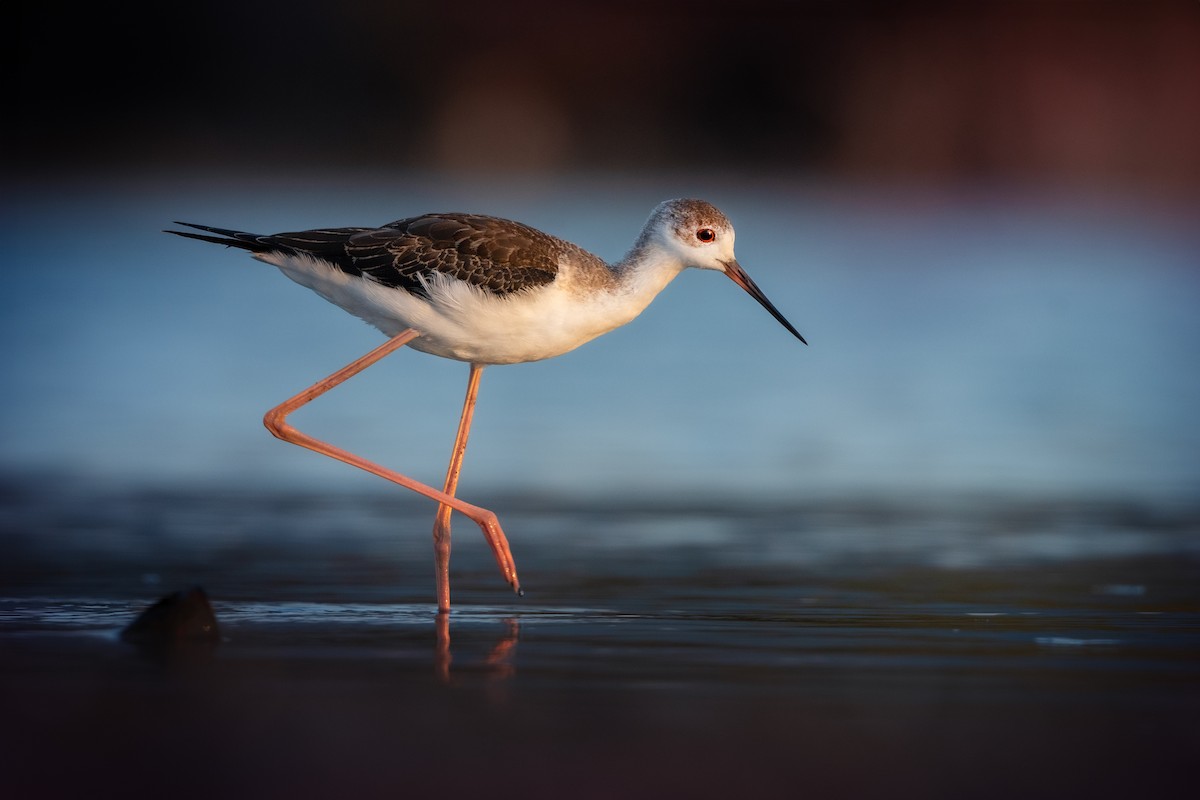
(441, 655)
(497, 665)
(499, 661)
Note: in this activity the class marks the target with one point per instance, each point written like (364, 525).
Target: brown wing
(496, 255)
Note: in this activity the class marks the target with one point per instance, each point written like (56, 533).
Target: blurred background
(1097, 94)
(981, 215)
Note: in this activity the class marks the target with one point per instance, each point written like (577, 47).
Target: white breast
(465, 323)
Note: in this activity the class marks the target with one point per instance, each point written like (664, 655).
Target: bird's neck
(645, 271)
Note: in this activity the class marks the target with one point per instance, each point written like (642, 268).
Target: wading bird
(485, 291)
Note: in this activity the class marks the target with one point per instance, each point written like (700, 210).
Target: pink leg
(441, 524)
(276, 422)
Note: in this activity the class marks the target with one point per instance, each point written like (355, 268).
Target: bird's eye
(706, 235)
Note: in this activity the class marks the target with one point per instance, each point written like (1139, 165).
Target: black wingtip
(224, 236)
(213, 239)
(210, 229)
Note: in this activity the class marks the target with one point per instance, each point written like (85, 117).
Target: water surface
(847, 649)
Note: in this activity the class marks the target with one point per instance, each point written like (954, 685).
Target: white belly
(468, 324)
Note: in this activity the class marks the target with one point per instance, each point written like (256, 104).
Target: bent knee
(275, 421)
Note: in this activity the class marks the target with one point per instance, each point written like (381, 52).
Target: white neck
(644, 272)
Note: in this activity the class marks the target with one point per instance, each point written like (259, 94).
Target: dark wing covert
(493, 254)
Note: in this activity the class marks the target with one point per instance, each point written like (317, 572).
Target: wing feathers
(493, 254)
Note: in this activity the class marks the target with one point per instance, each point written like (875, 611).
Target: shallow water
(845, 649)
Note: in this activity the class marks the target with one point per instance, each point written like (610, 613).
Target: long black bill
(738, 275)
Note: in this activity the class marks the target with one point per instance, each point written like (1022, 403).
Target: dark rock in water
(178, 618)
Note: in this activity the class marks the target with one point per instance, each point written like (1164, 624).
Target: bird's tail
(230, 238)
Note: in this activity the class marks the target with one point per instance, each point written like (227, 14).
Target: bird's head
(699, 235)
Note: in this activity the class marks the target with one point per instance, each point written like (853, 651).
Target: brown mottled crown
(687, 215)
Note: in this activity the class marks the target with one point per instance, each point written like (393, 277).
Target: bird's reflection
(497, 666)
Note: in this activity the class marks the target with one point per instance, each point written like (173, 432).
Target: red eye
(706, 235)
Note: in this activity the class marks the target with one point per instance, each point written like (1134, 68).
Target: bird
(485, 291)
